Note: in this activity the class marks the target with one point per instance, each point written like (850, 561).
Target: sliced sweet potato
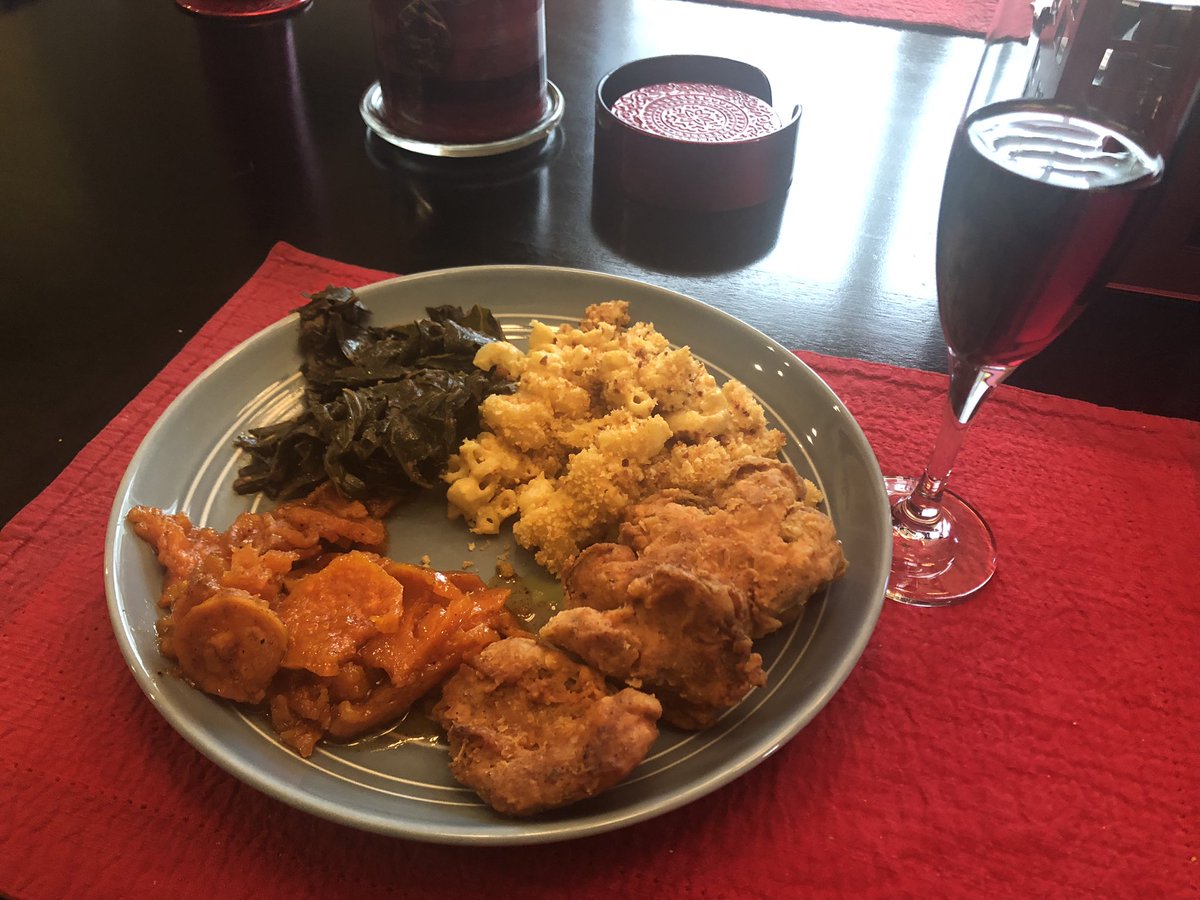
(331, 614)
(230, 645)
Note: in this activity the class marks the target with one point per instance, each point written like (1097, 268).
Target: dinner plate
(400, 785)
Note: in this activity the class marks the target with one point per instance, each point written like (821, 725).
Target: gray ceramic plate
(403, 788)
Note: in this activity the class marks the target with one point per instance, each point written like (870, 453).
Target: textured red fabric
(1002, 18)
(1040, 740)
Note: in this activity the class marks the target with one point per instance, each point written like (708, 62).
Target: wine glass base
(371, 110)
(941, 565)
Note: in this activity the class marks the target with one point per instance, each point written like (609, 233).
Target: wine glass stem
(969, 385)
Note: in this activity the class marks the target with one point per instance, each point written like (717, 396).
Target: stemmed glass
(1060, 138)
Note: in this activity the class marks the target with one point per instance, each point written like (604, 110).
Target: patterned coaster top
(697, 113)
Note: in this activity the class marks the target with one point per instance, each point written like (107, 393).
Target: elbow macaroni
(603, 415)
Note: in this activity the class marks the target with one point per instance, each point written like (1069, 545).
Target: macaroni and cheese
(603, 415)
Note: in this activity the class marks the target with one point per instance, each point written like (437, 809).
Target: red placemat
(1040, 740)
(1003, 18)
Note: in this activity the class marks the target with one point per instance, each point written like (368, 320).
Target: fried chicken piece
(671, 632)
(760, 532)
(532, 730)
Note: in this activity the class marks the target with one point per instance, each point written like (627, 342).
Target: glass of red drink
(1064, 136)
(461, 77)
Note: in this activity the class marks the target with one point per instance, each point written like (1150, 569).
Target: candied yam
(352, 682)
(260, 530)
(302, 526)
(384, 705)
(298, 734)
(258, 573)
(425, 582)
(179, 597)
(487, 606)
(331, 614)
(406, 649)
(332, 643)
(466, 581)
(300, 716)
(302, 706)
(334, 528)
(430, 625)
(181, 547)
(230, 645)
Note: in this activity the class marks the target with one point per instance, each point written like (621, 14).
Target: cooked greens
(383, 408)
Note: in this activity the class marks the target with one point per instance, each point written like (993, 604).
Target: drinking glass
(1062, 137)
(241, 9)
(460, 77)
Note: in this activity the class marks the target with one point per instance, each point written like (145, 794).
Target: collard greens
(384, 408)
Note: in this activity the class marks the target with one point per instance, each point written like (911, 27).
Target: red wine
(1033, 205)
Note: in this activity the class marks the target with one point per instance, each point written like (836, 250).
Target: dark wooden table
(149, 160)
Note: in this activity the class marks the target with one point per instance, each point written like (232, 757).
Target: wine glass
(1061, 137)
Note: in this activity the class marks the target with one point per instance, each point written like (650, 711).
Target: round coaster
(240, 9)
(697, 113)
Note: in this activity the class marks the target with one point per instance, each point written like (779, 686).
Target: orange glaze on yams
(282, 610)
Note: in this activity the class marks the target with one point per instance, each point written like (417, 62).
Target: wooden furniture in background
(1164, 257)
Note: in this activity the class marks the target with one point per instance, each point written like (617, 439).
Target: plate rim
(515, 831)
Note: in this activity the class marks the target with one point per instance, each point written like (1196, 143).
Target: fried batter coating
(671, 632)
(674, 607)
(759, 531)
(532, 730)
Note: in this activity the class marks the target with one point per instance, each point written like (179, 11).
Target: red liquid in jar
(461, 71)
